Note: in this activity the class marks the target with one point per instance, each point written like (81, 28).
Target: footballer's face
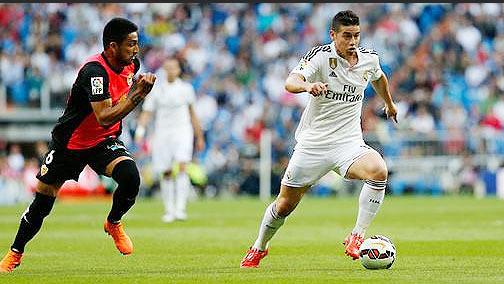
(172, 68)
(128, 49)
(346, 38)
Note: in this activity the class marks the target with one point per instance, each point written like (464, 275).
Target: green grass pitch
(438, 240)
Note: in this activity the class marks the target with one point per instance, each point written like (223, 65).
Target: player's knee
(167, 174)
(378, 172)
(126, 175)
(39, 209)
(284, 207)
(182, 167)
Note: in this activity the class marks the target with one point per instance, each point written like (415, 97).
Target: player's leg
(276, 212)
(112, 159)
(182, 188)
(274, 217)
(33, 216)
(30, 223)
(162, 163)
(371, 168)
(167, 187)
(304, 169)
(125, 173)
(183, 155)
(59, 165)
(182, 151)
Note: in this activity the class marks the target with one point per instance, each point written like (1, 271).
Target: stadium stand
(445, 62)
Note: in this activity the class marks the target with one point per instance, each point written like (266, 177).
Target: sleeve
(149, 103)
(309, 64)
(94, 81)
(376, 72)
(191, 94)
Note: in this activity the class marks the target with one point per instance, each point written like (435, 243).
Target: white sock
(370, 200)
(182, 187)
(271, 222)
(168, 195)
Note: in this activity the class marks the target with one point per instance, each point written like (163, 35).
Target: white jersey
(170, 103)
(335, 118)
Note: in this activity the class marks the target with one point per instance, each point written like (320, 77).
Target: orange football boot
(352, 245)
(252, 258)
(10, 261)
(122, 241)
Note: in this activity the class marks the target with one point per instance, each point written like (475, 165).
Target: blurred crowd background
(444, 63)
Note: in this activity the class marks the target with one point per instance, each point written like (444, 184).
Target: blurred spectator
(444, 61)
(15, 159)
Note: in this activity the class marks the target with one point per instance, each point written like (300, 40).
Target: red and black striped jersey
(78, 127)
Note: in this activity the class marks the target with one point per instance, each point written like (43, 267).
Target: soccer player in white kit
(175, 128)
(329, 135)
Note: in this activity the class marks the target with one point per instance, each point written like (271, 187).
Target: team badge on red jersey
(130, 79)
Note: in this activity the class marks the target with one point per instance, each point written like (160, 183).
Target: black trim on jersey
(88, 71)
(78, 104)
(136, 61)
(315, 50)
(367, 50)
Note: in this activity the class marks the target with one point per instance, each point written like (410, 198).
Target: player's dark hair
(344, 18)
(117, 30)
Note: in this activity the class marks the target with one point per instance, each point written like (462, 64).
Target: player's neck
(349, 56)
(112, 62)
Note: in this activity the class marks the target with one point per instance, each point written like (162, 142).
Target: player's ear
(114, 45)
(332, 33)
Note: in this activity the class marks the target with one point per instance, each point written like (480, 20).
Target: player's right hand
(141, 87)
(145, 82)
(316, 89)
(139, 134)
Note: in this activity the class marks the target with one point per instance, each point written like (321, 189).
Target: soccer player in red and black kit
(88, 134)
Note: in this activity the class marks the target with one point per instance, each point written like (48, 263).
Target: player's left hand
(200, 144)
(391, 111)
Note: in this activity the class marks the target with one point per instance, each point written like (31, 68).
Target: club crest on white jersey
(335, 117)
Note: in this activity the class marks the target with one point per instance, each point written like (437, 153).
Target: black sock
(32, 219)
(127, 177)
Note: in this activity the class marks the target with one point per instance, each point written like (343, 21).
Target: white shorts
(167, 150)
(307, 166)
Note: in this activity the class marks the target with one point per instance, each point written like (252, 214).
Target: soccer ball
(377, 252)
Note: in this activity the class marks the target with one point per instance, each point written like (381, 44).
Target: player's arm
(142, 122)
(297, 81)
(381, 87)
(108, 114)
(198, 133)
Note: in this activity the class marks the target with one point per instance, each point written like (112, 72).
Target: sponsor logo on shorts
(43, 170)
(116, 146)
(288, 174)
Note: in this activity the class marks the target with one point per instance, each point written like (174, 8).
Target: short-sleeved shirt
(335, 118)
(78, 127)
(170, 104)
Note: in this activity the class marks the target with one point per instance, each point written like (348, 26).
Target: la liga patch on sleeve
(97, 85)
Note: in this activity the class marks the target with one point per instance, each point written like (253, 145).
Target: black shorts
(60, 164)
